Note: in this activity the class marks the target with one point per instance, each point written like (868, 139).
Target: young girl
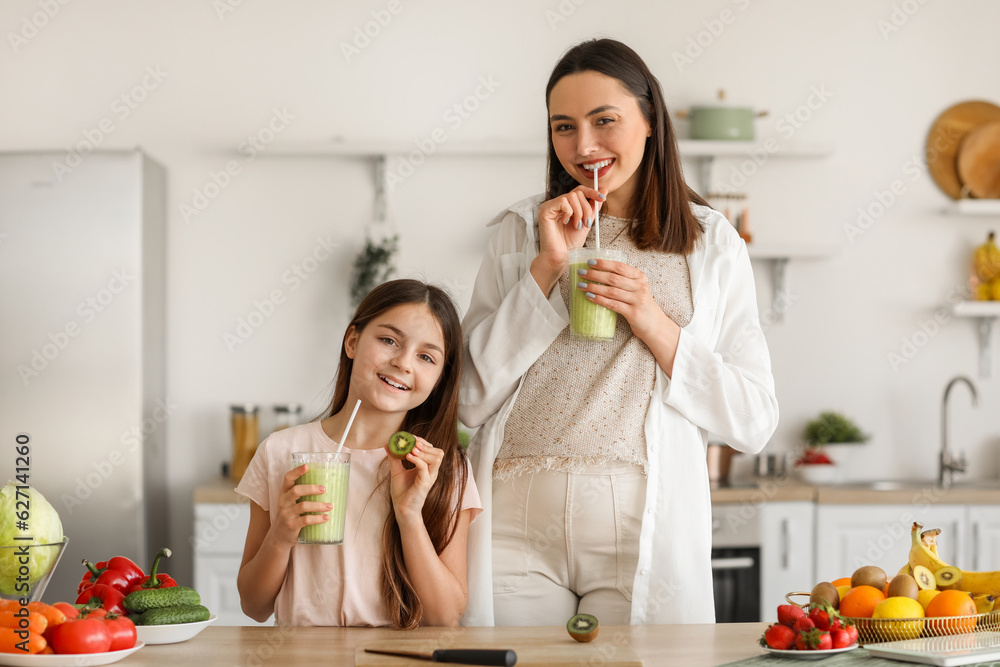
(591, 455)
(402, 563)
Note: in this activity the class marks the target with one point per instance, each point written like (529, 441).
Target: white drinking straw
(347, 430)
(597, 220)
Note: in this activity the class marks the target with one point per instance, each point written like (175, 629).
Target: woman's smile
(602, 167)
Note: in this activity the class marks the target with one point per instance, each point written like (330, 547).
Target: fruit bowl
(47, 555)
(171, 634)
(876, 630)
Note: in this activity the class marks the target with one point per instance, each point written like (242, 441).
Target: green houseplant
(830, 428)
(372, 267)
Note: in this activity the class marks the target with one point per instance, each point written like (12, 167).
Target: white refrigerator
(82, 368)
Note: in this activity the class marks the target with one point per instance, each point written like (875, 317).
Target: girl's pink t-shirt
(327, 584)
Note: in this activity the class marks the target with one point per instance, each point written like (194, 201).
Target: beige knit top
(585, 402)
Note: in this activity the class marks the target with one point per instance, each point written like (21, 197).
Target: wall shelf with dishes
(985, 313)
(702, 152)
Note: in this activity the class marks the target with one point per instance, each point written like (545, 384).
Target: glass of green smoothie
(332, 471)
(587, 320)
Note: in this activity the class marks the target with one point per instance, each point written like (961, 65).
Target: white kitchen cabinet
(220, 531)
(984, 538)
(850, 536)
(787, 552)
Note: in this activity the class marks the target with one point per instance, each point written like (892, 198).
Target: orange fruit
(885, 589)
(860, 602)
(953, 603)
(843, 581)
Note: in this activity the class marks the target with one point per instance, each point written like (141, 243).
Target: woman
(591, 456)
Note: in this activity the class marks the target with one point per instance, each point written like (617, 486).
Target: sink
(917, 484)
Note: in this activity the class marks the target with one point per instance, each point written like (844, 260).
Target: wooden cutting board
(533, 648)
(979, 161)
(946, 136)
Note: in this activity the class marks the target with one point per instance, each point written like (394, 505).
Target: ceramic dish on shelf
(67, 659)
(809, 655)
(171, 634)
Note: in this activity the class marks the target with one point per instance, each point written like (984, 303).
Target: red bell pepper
(110, 598)
(119, 564)
(155, 580)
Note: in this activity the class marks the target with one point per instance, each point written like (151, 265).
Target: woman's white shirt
(721, 384)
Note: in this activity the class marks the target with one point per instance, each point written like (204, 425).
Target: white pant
(567, 543)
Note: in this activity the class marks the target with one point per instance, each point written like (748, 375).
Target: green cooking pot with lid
(721, 122)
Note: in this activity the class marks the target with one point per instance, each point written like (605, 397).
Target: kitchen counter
(705, 645)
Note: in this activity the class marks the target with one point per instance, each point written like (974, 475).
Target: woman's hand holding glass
(625, 290)
(409, 488)
(563, 224)
(291, 519)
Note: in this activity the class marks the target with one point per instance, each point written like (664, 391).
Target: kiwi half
(583, 627)
(401, 443)
(925, 578)
(948, 578)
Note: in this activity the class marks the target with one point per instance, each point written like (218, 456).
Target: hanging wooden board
(946, 136)
(979, 161)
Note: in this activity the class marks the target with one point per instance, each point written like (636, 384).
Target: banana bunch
(983, 586)
(986, 264)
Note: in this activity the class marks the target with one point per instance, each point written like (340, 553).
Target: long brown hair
(435, 420)
(661, 201)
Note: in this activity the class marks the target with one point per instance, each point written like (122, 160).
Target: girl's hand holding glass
(409, 488)
(290, 513)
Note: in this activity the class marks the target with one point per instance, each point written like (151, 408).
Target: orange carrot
(10, 642)
(36, 622)
(53, 615)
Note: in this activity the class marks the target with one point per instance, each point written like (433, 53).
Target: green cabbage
(43, 526)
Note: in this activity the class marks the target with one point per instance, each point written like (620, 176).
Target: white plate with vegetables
(66, 659)
(171, 634)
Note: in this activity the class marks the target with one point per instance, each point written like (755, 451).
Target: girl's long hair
(661, 201)
(435, 420)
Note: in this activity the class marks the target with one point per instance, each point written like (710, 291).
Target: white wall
(221, 77)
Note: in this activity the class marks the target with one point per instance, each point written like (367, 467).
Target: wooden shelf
(695, 148)
(974, 207)
(986, 313)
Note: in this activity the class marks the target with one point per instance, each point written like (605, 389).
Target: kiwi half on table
(401, 443)
(583, 627)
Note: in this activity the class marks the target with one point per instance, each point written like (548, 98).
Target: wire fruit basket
(876, 630)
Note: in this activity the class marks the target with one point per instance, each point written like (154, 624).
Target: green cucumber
(182, 613)
(156, 598)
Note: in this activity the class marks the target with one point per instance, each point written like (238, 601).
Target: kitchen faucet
(948, 464)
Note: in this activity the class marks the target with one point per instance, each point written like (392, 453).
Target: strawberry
(813, 640)
(841, 638)
(779, 637)
(789, 613)
(825, 618)
(852, 632)
(804, 624)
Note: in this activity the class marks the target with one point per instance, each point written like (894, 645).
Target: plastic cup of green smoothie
(332, 471)
(587, 320)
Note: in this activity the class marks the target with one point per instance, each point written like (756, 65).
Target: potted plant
(830, 428)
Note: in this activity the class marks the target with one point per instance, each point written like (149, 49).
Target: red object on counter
(119, 572)
(110, 598)
(155, 580)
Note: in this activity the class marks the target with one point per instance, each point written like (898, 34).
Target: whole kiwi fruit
(869, 575)
(904, 586)
(825, 593)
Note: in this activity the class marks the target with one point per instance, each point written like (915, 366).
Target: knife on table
(461, 656)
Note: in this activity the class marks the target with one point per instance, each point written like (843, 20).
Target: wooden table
(687, 645)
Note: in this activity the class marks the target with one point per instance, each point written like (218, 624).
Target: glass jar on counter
(244, 418)
(287, 414)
